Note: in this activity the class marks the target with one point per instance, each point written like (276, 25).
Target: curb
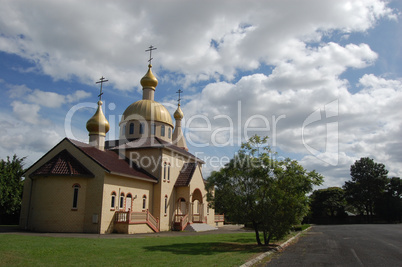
(268, 253)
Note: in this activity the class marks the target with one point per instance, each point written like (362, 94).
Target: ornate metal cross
(150, 53)
(179, 92)
(101, 81)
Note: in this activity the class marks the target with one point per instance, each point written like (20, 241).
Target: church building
(146, 181)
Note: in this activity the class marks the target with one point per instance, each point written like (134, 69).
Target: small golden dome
(149, 80)
(178, 114)
(98, 123)
(149, 110)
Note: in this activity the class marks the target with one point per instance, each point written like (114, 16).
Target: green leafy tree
(389, 205)
(328, 202)
(11, 185)
(368, 182)
(255, 188)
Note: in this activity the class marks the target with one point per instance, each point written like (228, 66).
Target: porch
(123, 220)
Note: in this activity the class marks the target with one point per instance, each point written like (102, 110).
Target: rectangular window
(141, 128)
(165, 205)
(153, 128)
(75, 197)
(169, 132)
(163, 130)
(168, 175)
(164, 171)
(131, 128)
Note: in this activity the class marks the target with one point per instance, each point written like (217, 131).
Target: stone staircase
(199, 227)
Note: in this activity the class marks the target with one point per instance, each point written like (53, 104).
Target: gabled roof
(113, 163)
(110, 161)
(186, 173)
(63, 164)
(149, 142)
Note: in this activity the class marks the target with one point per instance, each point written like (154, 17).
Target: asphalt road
(345, 245)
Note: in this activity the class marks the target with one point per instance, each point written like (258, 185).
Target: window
(153, 128)
(75, 196)
(166, 202)
(169, 133)
(141, 128)
(144, 202)
(163, 130)
(168, 175)
(121, 206)
(113, 200)
(164, 171)
(131, 128)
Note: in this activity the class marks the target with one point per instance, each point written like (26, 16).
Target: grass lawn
(201, 250)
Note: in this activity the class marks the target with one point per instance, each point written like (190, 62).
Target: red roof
(63, 164)
(186, 174)
(148, 142)
(113, 162)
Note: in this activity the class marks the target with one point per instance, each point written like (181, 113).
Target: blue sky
(323, 79)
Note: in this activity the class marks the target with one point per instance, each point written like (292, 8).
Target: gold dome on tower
(178, 114)
(149, 80)
(98, 123)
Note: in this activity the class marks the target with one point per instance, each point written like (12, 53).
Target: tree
(255, 188)
(11, 185)
(389, 205)
(369, 180)
(328, 203)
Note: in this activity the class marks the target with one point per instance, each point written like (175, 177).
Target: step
(199, 227)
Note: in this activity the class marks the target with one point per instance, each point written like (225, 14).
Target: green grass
(202, 250)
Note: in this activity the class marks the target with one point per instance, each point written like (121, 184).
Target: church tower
(146, 117)
(97, 127)
(178, 137)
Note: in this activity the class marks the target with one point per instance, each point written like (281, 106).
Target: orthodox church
(146, 181)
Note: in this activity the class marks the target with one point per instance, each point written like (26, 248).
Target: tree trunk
(257, 235)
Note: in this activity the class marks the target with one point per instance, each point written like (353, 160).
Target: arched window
(113, 200)
(128, 201)
(153, 128)
(76, 187)
(131, 128)
(166, 203)
(170, 133)
(141, 128)
(144, 202)
(121, 204)
(163, 130)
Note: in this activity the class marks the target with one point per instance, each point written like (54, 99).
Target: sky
(322, 79)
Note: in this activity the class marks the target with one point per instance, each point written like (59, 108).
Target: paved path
(345, 245)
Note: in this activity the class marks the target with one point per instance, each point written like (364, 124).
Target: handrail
(137, 218)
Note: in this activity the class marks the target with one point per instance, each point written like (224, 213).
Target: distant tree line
(369, 196)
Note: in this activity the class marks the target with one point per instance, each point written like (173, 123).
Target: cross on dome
(150, 53)
(179, 92)
(101, 81)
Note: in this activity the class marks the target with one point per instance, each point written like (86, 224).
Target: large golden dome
(149, 110)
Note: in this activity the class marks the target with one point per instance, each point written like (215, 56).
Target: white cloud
(82, 39)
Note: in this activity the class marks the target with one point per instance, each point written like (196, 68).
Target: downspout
(29, 204)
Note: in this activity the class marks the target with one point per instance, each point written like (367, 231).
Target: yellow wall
(119, 184)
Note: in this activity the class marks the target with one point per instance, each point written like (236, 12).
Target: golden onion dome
(149, 80)
(149, 110)
(178, 114)
(98, 123)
